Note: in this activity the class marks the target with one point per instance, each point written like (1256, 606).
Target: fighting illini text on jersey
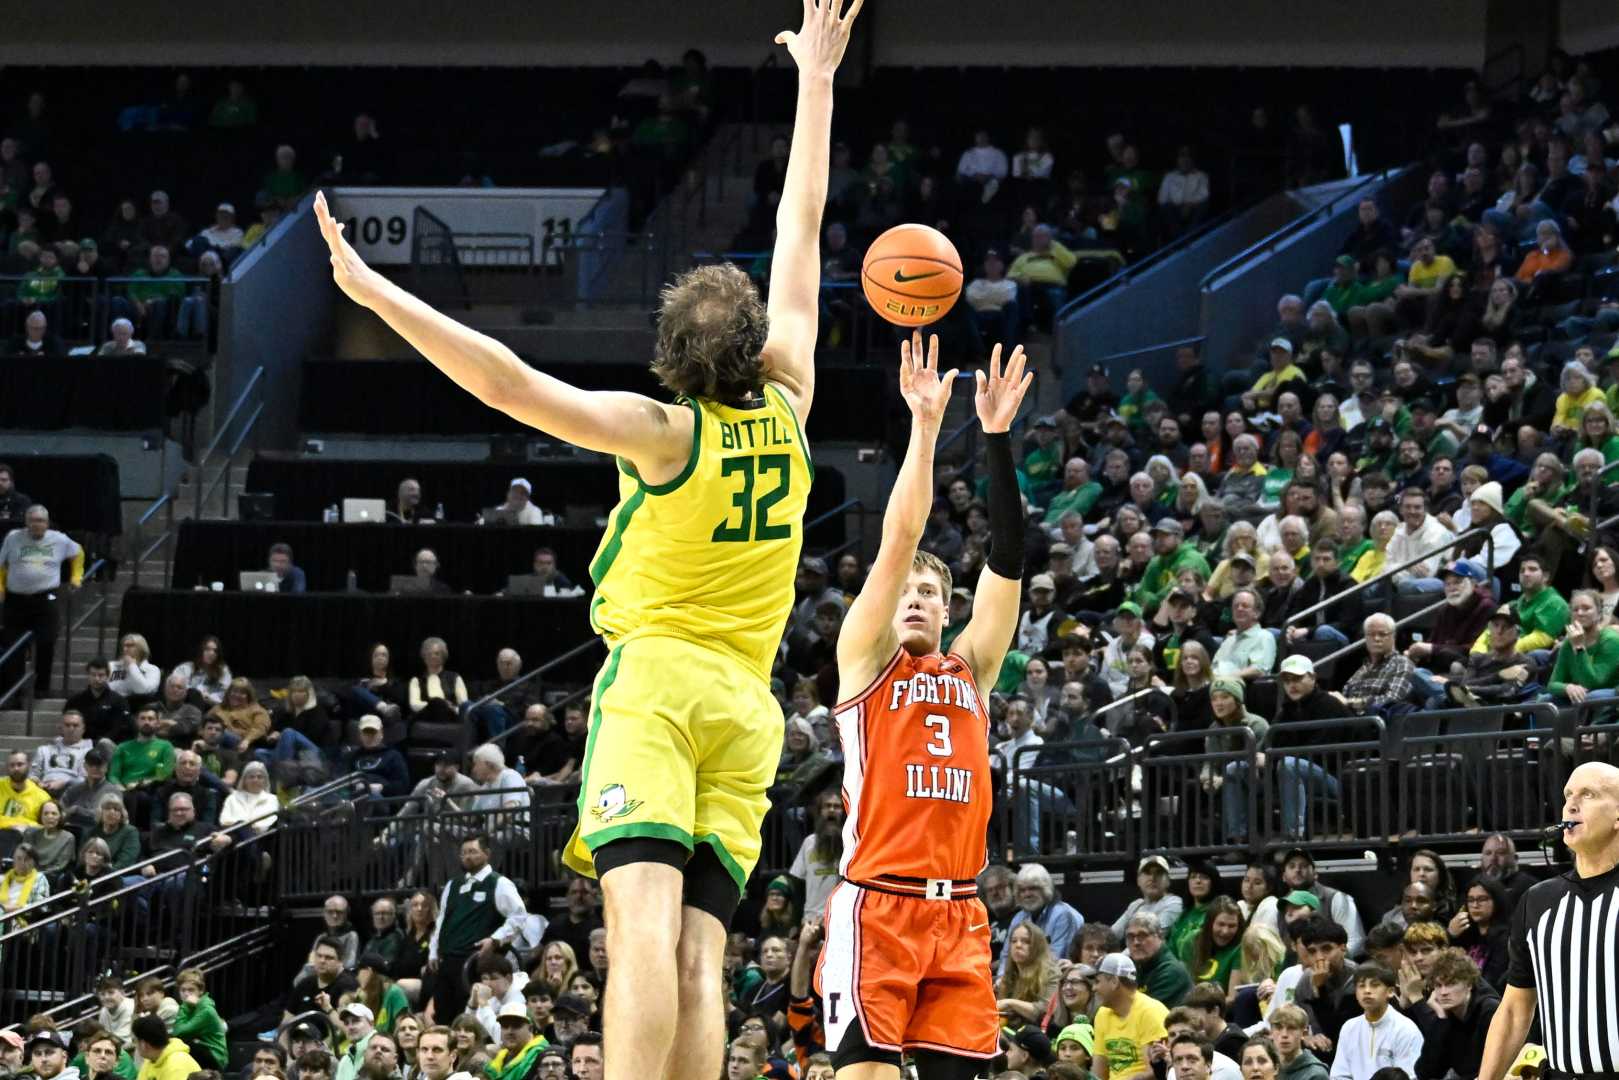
(916, 780)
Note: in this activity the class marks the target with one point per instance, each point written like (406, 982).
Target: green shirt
(139, 760)
(1183, 935)
(1131, 406)
(1442, 444)
(516, 1066)
(1079, 500)
(1595, 667)
(1159, 576)
(200, 1026)
(1517, 507)
(1167, 980)
(1342, 297)
(1351, 556)
(1546, 612)
(156, 286)
(1042, 465)
(41, 285)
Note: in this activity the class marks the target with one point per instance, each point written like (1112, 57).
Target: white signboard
(379, 221)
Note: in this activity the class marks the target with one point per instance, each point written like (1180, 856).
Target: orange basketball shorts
(913, 973)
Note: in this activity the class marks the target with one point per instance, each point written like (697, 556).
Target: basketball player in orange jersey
(906, 966)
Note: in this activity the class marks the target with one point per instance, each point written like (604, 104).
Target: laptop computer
(409, 583)
(525, 585)
(368, 510)
(258, 581)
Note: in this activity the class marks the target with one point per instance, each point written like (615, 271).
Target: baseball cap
(1097, 369)
(830, 598)
(1168, 525)
(993, 253)
(373, 960)
(354, 1008)
(1504, 613)
(229, 208)
(1283, 344)
(1083, 1034)
(1530, 1057)
(1379, 424)
(58, 1039)
(1034, 1043)
(1181, 596)
(11, 1039)
(514, 1011)
(1129, 607)
(814, 565)
(1298, 665)
(305, 1032)
(1118, 965)
(522, 483)
(1042, 581)
(572, 1004)
(1482, 431)
(370, 723)
(1297, 852)
(1153, 860)
(1420, 404)
(1244, 557)
(1302, 898)
(1463, 568)
(1060, 548)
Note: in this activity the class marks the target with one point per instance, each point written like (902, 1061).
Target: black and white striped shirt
(1565, 947)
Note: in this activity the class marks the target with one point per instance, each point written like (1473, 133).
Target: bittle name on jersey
(748, 434)
(938, 782)
(924, 689)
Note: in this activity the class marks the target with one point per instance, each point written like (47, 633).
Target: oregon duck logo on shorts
(614, 803)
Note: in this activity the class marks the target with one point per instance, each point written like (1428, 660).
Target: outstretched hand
(357, 280)
(1000, 393)
(817, 47)
(924, 390)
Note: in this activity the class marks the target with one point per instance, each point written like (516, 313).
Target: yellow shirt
(1426, 277)
(1369, 565)
(1570, 409)
(19, 809)
(710, 557)
(1272, 379)
(1124, 1040)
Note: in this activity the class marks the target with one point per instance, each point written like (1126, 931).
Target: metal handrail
(1369, 582)
(1145, 349)
(73, 624)
(205, 488)
(577, 650)
(1151, 260)
(1174, 712)
(25, 682)
(1326, 209)
(329, 788)
(842, 508)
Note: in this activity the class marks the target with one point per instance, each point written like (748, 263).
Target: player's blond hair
(712, 327)
(926, 560)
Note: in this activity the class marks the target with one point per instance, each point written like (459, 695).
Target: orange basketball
(912, 275)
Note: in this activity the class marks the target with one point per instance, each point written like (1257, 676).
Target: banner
(379, 221)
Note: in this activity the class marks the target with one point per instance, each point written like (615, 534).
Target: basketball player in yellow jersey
(694, 584)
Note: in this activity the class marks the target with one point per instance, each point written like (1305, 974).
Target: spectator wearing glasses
(1382, 684)
(1038, 903)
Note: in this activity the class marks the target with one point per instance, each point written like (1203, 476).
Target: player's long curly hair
(711, 331)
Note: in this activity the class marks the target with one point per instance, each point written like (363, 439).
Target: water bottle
(330, 515)
(353, 582)
(438, 512)
(1071, 842)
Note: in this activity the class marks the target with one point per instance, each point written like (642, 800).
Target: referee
(31, 561)
(1564, 946)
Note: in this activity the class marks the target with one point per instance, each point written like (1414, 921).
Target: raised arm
(795, 267)
(984, 641)
(655, 437)
(867, 640)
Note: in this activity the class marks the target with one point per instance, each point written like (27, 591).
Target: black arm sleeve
(1005, 509)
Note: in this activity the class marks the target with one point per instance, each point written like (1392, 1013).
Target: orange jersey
(916, 781)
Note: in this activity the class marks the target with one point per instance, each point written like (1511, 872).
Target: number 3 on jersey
(939, 745)
(755, 513)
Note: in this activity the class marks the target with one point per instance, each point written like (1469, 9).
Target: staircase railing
(98, 607)
(25, 682)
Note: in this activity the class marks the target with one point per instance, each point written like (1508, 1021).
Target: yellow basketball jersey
(711, 556)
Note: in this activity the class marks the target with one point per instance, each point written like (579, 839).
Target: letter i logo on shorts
(614, 802)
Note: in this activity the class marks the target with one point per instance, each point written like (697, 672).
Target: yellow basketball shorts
(683, 742)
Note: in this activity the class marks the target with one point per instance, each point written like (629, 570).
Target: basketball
(912, 275)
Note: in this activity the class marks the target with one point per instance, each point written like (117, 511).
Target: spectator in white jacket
(499, 985)
(993, 299)
(133, 673)
(1420, 533)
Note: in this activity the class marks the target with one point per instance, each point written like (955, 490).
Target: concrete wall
(1383, 33)
(276, 308)
(1588, 25)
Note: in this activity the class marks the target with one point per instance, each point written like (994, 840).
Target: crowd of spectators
(1199, 567)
